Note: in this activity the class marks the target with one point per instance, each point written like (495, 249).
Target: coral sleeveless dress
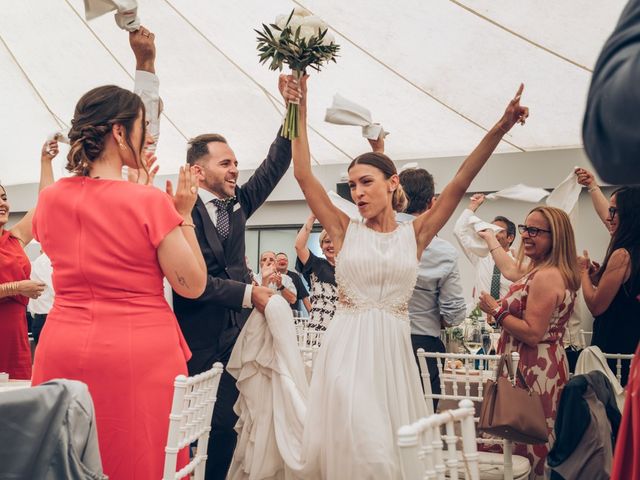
(110, 326)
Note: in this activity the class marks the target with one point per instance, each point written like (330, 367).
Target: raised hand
(49, 150)
(487, 235)
(187, 190)
(585, 177)
(476, 200)
(291, 88)
(515, 113)
(143, 45)
(139, 175)
(377, 145)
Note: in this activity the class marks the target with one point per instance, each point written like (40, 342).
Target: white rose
(314, 22)
(307, 33)
(328, 39)
(281, 21)
(295, 22)
(301, 12)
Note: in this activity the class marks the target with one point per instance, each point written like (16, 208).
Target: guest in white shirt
(41, 271)
(488, 277)
(280, 283)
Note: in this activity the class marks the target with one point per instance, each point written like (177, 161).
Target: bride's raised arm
(429, 223)
(333, 220)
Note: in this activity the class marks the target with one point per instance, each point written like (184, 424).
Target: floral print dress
(544, 366)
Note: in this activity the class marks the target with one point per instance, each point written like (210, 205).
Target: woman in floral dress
(535, 311)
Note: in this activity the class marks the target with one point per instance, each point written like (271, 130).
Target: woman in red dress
(15, 286)
(111, 242)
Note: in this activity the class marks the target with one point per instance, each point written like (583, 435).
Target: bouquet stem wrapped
(290, 124)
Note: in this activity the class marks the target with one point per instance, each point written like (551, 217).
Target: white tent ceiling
(435, 73)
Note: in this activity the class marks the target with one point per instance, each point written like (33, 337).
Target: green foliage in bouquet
(305, 43)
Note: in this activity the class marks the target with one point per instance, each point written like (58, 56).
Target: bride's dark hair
(96, 113)
(383, 163)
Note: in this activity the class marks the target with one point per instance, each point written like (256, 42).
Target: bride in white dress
(365, 382)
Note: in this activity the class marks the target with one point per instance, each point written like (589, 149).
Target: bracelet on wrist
(494, 248)
(499, 315)
(593, 189)
(187, 224)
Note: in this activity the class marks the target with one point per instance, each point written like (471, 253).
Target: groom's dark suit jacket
(212, 322)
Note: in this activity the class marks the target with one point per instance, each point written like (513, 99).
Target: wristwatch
(280, 288)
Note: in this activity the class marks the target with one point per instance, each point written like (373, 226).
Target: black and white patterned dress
(321, 276)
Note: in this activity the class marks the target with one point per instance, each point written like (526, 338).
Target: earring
(121, 145)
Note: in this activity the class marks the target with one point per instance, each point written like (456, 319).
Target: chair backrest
(585, 337)
(421, 446)
(459, 380)
(619, 358)
(462, 375)
(190, 421)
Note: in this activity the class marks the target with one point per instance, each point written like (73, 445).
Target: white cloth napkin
(565, 196)
(126, 12)
(345, 205)
(521, 193)
(345, 112)
(469, 238)
(59, 137)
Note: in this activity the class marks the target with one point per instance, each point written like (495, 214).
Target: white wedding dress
(365, 382)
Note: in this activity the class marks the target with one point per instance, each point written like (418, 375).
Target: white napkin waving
(126, 12)
(473, 242)
(565, 196)
(520, 192)
(345, 112)
(345, 205)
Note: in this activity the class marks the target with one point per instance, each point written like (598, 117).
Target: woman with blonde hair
(321, 275)
(535, 311)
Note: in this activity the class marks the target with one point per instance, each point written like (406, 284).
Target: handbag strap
(518, 373)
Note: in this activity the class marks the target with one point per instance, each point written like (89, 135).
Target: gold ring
(194, 189)
(146, 34)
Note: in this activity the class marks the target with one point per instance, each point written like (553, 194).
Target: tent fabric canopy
(436, 73)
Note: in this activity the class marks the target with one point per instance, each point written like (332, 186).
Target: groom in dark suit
(211, 323)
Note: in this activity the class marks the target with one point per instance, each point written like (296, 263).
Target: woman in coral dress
(535, 311)
(15, 286)
(110, 243)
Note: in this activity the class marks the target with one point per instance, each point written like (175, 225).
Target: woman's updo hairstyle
(95, 114)
(383, 163)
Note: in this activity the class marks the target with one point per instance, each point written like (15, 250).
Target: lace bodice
(377, 270)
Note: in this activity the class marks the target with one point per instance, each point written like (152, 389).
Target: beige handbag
(510, 411)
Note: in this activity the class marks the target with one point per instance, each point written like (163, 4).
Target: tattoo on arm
(182, 281)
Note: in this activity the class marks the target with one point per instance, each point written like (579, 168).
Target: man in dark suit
(211, 323)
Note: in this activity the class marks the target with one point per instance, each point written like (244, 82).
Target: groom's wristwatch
(280, 288)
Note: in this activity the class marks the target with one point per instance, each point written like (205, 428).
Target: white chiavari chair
(422, 443)
(585, 338)
(190, 421)
(462, 376)
(619, 358)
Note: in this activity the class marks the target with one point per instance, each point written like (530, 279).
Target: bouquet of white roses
(300, 40)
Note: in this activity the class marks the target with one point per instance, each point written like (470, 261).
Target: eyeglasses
(612, 212)
(532, 231)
